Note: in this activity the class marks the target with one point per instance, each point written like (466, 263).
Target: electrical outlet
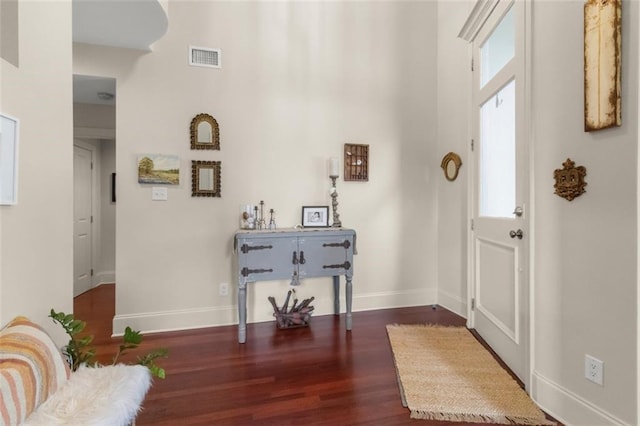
(594, 370)
(224, 289)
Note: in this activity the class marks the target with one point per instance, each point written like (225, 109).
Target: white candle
(333, 169)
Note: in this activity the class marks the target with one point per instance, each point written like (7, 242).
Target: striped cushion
(31, 369)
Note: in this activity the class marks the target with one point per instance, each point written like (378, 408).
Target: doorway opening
(94, 184)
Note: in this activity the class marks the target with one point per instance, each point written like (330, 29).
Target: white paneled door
(499, 252)
(82, 238)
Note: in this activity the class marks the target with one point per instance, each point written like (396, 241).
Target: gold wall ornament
(602, 56)
(205, 178)
(451, 165)
(205, 132)
(570, 180)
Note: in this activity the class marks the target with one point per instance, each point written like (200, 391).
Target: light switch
(159, 194)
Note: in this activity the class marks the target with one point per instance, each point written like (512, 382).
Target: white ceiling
(132, 24)
(86, 89)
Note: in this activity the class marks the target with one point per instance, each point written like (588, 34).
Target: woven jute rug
(444, 373)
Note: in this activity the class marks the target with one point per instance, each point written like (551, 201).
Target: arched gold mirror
(451, 165)
(205, 133)
(205, 178)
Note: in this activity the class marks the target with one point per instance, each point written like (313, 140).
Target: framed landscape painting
(159, 169)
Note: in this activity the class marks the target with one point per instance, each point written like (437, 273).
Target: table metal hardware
(246, 271)
(346, 244)
(345, 265)
(246, 248)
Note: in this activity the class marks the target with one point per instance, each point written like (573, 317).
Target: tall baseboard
(394, 299)
(453, 303)
(152, 322)
(566, 406)
(184, 319)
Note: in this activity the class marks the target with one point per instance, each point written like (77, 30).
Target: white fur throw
(100, 396)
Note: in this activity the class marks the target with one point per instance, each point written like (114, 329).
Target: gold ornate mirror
(205, 133)
(205, 178)
(451, 165)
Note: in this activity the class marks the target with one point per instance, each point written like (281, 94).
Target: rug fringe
(426, 325)
(478, 418)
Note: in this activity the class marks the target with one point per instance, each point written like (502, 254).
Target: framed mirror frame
(451, 165)
(215, 132)
(198, 187)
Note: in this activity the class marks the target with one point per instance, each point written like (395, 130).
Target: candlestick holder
(272, 221)
(334, 203)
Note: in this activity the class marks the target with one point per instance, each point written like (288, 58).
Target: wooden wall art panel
(356, 162)
(602, 51)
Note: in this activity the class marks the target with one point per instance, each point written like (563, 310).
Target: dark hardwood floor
(315, 375)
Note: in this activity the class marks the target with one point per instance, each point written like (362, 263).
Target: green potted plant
(78, 350)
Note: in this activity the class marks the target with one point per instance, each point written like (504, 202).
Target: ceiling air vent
(205, 57)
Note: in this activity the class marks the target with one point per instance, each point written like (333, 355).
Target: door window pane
(498, 154)
(498, 49)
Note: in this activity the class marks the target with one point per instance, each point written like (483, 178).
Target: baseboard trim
(566, 406)
(394, 299)
(104, 277)
(452, 303)
(187, 319)
(184, 319)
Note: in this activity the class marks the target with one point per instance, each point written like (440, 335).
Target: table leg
(242, 312)
(348, 289)
(336, 294)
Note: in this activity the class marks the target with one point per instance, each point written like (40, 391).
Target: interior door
(500, 227)
(82, 238)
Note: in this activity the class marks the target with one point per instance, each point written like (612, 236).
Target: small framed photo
(315, 216)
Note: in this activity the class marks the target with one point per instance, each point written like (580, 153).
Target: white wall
(93, 118)
(298, 81)
(638, 239)
(585, 255)
(586, 250)
(36, 234)
(9, 31)
(454, 97)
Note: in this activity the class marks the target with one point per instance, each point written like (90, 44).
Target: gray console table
(293, 254)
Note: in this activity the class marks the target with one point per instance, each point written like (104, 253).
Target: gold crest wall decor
(602, 52)
(570, 180)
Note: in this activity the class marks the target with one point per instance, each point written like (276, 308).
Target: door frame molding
(638, 251)
(470, 29)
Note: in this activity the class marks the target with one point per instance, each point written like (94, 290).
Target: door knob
(517, 233)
